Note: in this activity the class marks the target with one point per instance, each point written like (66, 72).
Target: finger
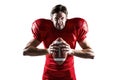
(54, 47)
(65, 49)
(52, 51)
(64, 46)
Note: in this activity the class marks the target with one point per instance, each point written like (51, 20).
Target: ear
(51, 16)
(51, 19)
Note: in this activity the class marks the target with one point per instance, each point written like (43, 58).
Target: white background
(16, 17)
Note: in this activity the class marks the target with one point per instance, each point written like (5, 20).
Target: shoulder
(42, 23)
(76, 21)
(79, 23)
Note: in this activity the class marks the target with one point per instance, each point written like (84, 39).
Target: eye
(62, 18)
(55, 18)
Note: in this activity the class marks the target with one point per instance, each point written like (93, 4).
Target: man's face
(59, 20)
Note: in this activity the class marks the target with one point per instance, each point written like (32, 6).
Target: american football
(59, 54)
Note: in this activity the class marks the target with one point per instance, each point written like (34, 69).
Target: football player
(70, 31)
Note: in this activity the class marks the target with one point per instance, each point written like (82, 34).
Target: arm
(86, 51)
(32, 50)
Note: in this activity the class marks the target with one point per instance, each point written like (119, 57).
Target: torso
(47, 33)
(68, 33)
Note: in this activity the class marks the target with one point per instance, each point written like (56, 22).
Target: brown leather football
(59, 55)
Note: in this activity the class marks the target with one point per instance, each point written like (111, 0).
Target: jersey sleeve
(37, 30)
(82, 30)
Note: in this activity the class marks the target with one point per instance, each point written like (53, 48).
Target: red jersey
(44, 30)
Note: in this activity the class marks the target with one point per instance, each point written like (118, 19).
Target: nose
(59, 21)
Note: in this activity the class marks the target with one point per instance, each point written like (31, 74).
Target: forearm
(33, 51)
(85, 53)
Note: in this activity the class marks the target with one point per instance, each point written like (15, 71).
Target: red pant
(59, 75)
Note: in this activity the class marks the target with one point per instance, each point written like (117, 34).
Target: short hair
(59, 8)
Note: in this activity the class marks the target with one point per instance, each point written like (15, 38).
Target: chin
(59, 27)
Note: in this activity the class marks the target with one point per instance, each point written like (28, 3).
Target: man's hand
(66, 48)
(60, 43)
(59, 49)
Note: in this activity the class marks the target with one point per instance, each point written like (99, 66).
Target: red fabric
(75, 30)
(59, 75)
